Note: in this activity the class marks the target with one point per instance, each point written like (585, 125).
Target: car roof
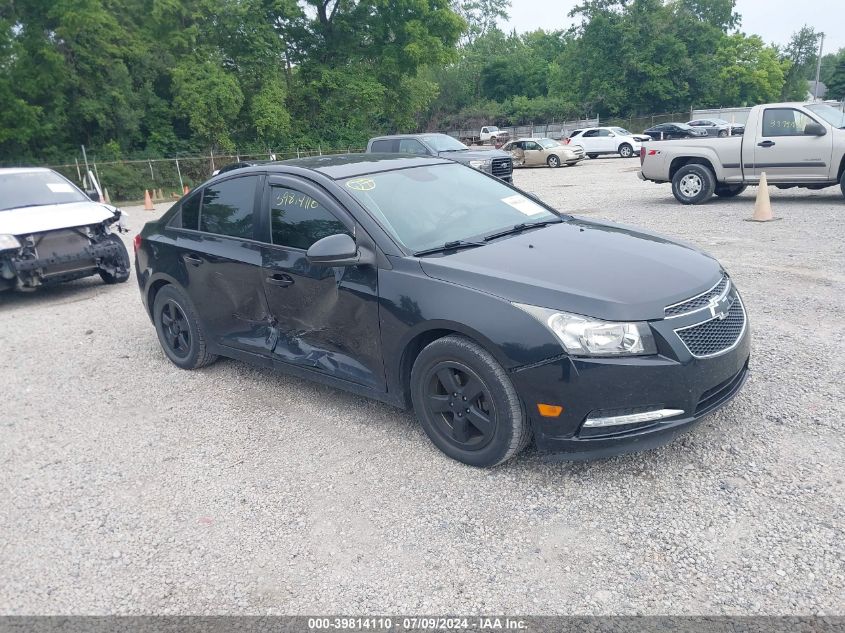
(24, 170)
(421, 134)
(338, 166)
(533, 138)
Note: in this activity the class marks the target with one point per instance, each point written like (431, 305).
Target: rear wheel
(723, 133)
(626, 151)
(467, 404)
(723, 191)
(842, 183)
(120, 273)
(592, 155)
(179, 331)
(553, 161)
(693, 184)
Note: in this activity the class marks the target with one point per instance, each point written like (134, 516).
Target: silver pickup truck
(795, 144)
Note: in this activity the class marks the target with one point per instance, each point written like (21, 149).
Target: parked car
(597, 141)
(493, 161)
(51, 231)
(794, 144)
(668, 131)
(530, 152)
(718, 127)
(422, 283)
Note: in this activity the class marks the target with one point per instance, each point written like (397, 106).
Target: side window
(590, 133)
(784, 122)
(531, 145)
(412, 146)
(188, 215)
(297, 220)
(384, 146)
(227, 207)
(604, 132)
(484, 130)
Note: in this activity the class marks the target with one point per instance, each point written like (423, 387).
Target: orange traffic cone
(185, 192)
(763, 205)
(148, 202)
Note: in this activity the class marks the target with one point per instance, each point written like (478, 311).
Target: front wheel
(592, 155)
(626, 151)
(466, 403)
(553, 161)
(119, 272)
(842, 183)
(693, 184)
(724, 191)
(723, 133)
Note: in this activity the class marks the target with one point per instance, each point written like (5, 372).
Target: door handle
(192, 259)
(766, 144)
(280, 279)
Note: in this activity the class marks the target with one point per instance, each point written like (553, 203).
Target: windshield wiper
(460, 149)
(522, 226)
(448, 246)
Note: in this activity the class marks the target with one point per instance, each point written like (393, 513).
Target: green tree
(800, 57)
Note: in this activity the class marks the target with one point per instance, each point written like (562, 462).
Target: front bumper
(697, 386)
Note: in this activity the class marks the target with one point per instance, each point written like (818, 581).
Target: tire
(723, 133)
(495, 427)
(626, 151)
(693, 184)
(592, 155)
(842, 183)
(122, 273)
(723, 191)
(180, 332)
(553, 161)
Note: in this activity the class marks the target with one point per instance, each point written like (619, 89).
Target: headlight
(483, 165)
(9, 242)
(584, 336)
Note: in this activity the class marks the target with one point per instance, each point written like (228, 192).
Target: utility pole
(818, 69)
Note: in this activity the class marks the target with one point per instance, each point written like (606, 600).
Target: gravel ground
(130, 486)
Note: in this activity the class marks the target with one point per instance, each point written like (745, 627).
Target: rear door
(222, 261)
(786, 152)
(326, 318)
(589, 140)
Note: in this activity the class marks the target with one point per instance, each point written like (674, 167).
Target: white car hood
(53, 216)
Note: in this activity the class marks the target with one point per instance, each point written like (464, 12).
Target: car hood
(601, 270)
(53, 216)
(482, 154)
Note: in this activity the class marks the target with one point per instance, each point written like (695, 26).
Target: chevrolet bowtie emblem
(718, 308)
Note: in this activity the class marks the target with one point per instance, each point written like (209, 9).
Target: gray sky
(773, 20)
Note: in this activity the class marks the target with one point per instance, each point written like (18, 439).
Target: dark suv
(429, 285)
(495, 162)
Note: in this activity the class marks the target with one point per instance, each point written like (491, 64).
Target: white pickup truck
(488, 134)
(795, 144)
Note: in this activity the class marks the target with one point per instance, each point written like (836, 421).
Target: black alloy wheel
(177, 332)
(467, 404)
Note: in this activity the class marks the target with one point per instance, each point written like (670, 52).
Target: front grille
(698, 302)
(715, 335)
(502, 167)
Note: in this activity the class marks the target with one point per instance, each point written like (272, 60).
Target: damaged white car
(51, 232)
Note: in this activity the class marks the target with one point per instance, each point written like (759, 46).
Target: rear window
(227, 207)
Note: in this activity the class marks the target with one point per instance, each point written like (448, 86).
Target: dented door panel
(224, 282)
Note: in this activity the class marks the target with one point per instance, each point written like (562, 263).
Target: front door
(533, 153)
(222, 262)
(785, 152)
(326, 318)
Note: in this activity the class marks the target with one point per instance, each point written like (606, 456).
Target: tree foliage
(153, 77)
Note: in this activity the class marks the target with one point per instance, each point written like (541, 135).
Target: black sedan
(718, 127)
(666, 131)
(430, 285)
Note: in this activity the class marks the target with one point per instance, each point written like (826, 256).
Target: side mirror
(335, 250)
(93, 195)
(815, 129)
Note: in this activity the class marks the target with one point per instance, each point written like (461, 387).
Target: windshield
(833, 116)
(621, 131)
(717, 121)
(492, 128)
(35, 188)
(425, 207)
(444, 143)
(548, 142)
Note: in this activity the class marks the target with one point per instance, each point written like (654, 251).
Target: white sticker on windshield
(60, 187)
(524, 205)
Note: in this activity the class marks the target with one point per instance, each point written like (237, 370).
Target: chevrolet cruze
(429, 285)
